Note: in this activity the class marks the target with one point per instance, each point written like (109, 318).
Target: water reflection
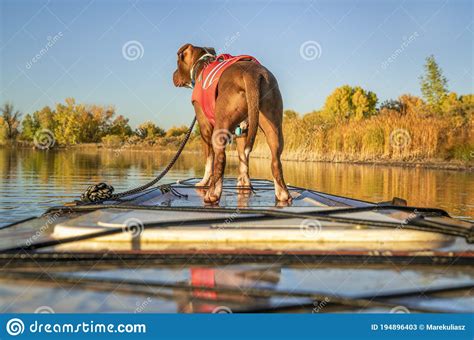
(204, 301)
(32, 180)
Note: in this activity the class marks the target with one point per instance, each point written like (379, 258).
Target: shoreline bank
(195, 148)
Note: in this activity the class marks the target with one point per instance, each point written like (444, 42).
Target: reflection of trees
(71, 169)
(449, 190)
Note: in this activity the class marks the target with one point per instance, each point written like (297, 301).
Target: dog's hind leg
(243, 179)
(274, 138)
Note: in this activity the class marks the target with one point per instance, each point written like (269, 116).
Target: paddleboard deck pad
(259, 255)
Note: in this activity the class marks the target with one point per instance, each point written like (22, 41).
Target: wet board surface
(244, 231)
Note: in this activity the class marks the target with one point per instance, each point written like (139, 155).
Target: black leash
(104, 192)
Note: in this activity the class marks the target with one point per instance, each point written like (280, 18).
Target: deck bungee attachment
(101, 192)
(205, 86)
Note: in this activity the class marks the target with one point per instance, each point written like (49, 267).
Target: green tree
(393, 105)
(433, 84)
(44, 118)
(29, 126)
(10, 119)
(120, 127)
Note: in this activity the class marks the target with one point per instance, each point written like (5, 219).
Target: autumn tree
(148, 129)
(120, 127)
(433, 84)
(94, 121)
(176, 131)
(290, 114)
(10, 119)
(66, 124)
(363, 103)
(347, 102)
(461, 106)
(413, 105)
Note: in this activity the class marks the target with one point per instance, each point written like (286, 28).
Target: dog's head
(188, 55)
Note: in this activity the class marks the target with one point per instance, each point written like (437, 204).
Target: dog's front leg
(213, 195)
(209, 164)
(205, 128)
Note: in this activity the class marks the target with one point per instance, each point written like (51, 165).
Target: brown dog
(246, 92)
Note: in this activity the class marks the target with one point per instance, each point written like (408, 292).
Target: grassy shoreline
(194, 147)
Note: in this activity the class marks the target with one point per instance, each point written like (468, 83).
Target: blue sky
(379, 45)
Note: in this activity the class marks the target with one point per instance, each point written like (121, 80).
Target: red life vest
(205, 87)
(204, 277)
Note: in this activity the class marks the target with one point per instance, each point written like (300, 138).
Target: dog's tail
(252, 91)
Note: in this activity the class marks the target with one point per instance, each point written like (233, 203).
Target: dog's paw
(283, 196)
(211, 199)
(243, 182)
(201, 184)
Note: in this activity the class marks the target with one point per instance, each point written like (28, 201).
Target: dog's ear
(210, 50)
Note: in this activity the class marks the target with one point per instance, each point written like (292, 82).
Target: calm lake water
(31, 181)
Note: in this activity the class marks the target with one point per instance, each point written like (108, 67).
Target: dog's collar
(192, 72)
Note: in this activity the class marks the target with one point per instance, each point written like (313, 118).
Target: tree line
(72, 123)
(346, 110)
(352, 127)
